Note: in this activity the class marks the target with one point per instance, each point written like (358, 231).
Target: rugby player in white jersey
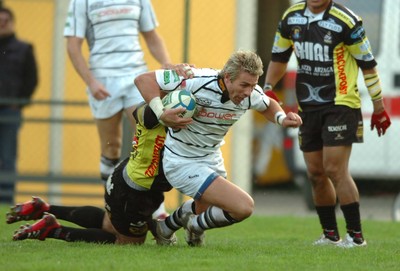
(112, 30)
(193, 162)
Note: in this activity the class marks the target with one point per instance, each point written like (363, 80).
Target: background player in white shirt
(192, 161)
(112, 30)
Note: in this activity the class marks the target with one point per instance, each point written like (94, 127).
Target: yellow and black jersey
(330, 48)
(144, 167)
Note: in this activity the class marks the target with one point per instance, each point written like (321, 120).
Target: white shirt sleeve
(168, 80)
(77, 20)
(148, 19)
(259, 101)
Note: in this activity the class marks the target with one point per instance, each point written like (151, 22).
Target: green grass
(259, 243)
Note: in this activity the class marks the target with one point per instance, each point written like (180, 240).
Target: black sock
(85, 216)
(84, 235)
(327, 218)
(351, 213)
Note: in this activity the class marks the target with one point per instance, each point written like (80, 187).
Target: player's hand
(98, 91)
(171, 118)
(380, 121)
(182, 69)
(292, 120)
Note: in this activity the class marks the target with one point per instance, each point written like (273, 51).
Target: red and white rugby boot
(30, 210)
(39, 230)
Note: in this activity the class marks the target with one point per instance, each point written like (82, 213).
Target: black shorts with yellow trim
(130, 210)
(335, 125)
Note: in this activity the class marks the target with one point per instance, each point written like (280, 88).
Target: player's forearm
(157, 48)
(271, 113)
(160, 53)
(378, 106)
(147, 86)
(276, 70)
(78, 61)
(150, 91)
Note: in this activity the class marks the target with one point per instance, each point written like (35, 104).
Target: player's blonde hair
(243, 61)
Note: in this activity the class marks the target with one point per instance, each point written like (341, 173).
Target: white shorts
(124, 94)
(192, 176)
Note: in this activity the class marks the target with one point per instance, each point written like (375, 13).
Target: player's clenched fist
(292, 120)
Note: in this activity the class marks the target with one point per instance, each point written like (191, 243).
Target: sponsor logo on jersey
(313, 93)
(331, 25)
(203, 101)
(158, 144)
(296, 33)
(312, 51)
(170, 76)
(297, 19)
(101, 14)
(217, 115)
(323, 71)
(305, 69)
(341, 64)
(328, 38)
(342, 16)
(358, 33)
(114, 11)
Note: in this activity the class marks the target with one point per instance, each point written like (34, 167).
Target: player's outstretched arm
(276, 114)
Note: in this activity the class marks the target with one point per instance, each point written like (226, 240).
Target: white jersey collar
(312, 17)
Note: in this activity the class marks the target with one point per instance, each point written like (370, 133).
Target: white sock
(161, 210)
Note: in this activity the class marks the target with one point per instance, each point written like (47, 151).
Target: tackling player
(133, 192)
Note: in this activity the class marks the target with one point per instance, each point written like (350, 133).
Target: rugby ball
(181, 98)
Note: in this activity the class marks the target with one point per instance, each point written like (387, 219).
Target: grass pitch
(258, 243)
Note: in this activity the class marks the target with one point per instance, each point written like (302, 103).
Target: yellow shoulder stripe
(343, 16)
(298, 6)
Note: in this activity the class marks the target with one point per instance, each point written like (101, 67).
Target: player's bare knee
(317, 177)
(245, 209)
(249, 208)
(335, 173)
(112, 148)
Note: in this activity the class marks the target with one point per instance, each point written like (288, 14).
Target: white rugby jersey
(215, 112)
(112, 29)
